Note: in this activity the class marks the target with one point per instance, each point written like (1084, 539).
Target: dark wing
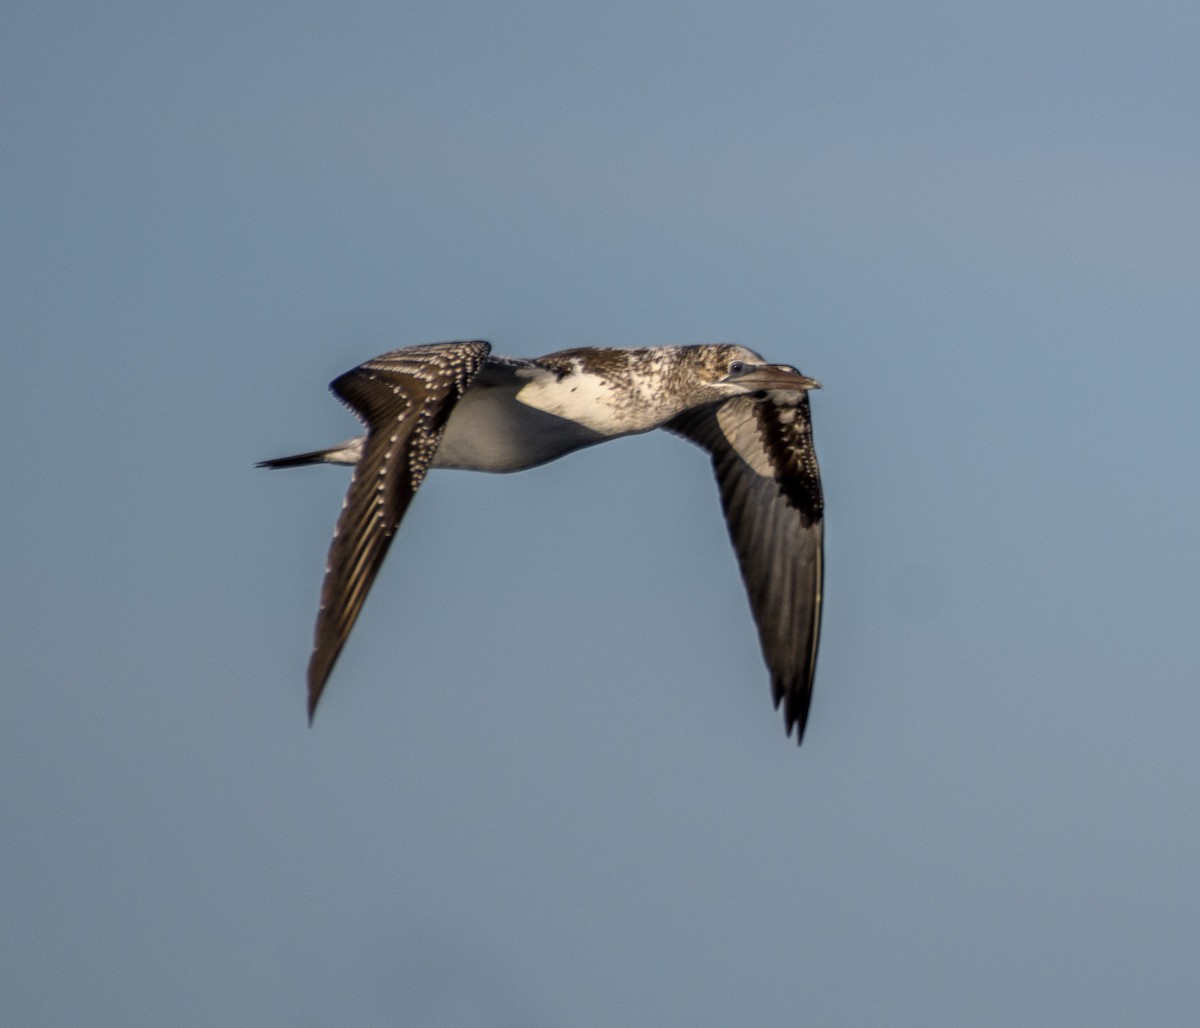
(766, 467)
(405, 398)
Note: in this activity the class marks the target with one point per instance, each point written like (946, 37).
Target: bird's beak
(777, 376)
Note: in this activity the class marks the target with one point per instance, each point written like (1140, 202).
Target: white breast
(583, 398)
(591, 400)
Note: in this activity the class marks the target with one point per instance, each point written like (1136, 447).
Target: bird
(457, 405)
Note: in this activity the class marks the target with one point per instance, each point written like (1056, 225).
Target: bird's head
(738, 371)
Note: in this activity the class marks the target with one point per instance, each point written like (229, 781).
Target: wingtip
(795, 709)
(316, 685)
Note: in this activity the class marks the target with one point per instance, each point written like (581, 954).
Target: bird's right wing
(405, 398)
(766, 468)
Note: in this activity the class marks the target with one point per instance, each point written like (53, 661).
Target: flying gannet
(456, 405)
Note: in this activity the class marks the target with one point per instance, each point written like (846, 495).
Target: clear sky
(546, 786)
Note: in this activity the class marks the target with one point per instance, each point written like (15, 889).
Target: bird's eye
(737, 367)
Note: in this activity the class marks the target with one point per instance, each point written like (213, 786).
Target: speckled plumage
(455, 405)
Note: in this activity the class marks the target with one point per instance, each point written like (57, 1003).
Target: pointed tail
(344, 453)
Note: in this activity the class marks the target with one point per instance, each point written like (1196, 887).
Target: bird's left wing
(405, 398)
(766, 468)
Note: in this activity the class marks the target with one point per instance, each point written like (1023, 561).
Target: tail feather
(299, 460)
(344, 453)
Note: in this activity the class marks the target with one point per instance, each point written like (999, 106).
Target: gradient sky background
(546, 786)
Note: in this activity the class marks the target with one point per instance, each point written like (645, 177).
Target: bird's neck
(612, 395)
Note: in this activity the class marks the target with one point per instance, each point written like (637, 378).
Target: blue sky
(546, 786)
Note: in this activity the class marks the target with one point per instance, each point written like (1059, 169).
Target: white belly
(489, 430)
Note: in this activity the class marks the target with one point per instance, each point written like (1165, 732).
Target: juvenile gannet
(455, 405)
